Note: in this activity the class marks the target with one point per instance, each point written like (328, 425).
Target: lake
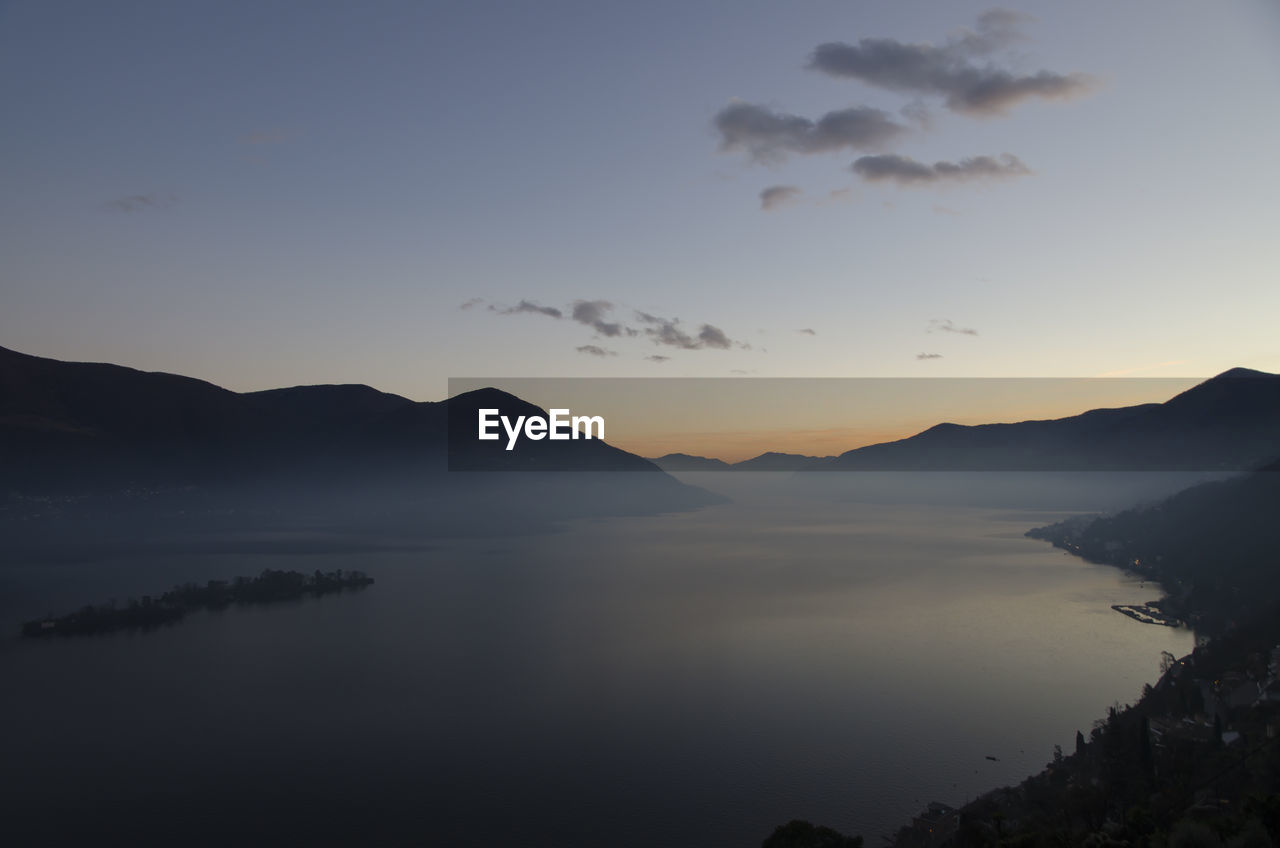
(692, 679)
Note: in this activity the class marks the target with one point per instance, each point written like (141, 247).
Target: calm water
(692, 679)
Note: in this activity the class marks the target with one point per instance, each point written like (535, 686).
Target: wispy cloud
(928, 356)
(669, 332)
(963, 70)
(807, 331)
(592, 312)
(906, 171)
(141, 202)
(526, 306)
(769, 136)
(945, 325)
(959, 69)
(596, 314)
(658, 358)
(710, 336)
(776, 197)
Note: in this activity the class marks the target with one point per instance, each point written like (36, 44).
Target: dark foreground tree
(803, 834)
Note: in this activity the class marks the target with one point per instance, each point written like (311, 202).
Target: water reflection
(685, 679)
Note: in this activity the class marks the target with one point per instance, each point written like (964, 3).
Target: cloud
(657, 358)
(944, 325)
(776, 197)
(710, 336)
(807, 331)
(768, 136)
(592, 312)
(667, 333)
(928, 356)
(949, 70)
(142, 202)
(904, 170)
(664, 331)
(527, 306)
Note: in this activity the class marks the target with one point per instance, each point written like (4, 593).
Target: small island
(1152, 612)
(270, 586)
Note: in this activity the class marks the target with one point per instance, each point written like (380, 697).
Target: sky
(279, 193)
(734, 418)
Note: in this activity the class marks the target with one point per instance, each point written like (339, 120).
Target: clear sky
(275, 193)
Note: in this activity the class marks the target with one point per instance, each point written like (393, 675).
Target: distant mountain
(83, 424)
(774, 461)
(1230, 422)
(686, 462)
(321, 409)
(78, 425)
(771, 461)
(99, 460)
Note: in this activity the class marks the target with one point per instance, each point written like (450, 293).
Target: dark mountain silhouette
(774, 461)
(688, 462)
(307, 409)
(1213, 546)
(90, 425)
(100, 457)
(770, 461)
(1229, 423)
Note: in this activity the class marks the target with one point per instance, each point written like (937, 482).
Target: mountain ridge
(1228, 422)
(767, 461)
(76, 423)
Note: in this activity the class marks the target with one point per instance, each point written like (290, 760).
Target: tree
(1144, 747)
(802, 834)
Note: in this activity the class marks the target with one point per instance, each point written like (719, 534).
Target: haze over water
(687, 679)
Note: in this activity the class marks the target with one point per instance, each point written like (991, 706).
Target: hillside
(90, 426)
(1230, 422)
(1215, 547)
(1196, 760)
(98, 458)
(769, 461)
